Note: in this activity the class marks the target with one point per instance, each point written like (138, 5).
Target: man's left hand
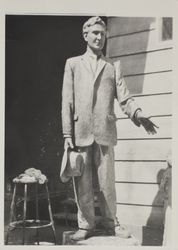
(147, 123)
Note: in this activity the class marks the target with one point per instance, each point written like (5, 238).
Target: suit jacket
(88, 101)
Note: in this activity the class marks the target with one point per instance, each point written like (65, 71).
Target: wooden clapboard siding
(126, 129)
(155, 61)
(134, 193)
(139, 171)
(117, 26)
(147, 83)
(153, 149)
(153, 105)
(140, 215)
(144, 41)
(140, 159)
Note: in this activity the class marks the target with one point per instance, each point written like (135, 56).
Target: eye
(99, 33)
(95, 32)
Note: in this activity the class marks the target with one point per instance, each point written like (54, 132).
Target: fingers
(154, 124)
(148, 118)
(149, 126)
(68, 143)
(151, 130)
(71, 144)
(152, 127)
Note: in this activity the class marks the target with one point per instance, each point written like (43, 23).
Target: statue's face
(95, 37)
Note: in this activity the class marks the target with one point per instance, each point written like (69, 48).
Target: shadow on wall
(156, 218)
(128, 39)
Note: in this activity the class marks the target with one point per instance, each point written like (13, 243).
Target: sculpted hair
(92, 21)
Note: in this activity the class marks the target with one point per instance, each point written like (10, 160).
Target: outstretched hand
(148, 125)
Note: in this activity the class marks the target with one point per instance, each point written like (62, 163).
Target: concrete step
(100, 240)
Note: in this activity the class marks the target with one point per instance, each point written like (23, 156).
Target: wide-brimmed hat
(72, 164)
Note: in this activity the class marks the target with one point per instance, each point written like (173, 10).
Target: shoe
(119, 231)
(82, 234)
(122, 232)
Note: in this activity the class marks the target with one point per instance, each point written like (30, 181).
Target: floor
(144, 236)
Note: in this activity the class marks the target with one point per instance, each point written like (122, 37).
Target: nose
(99, 36)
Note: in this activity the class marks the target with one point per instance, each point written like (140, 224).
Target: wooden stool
(27, 224)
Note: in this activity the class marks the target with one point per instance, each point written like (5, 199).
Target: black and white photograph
(88, 129)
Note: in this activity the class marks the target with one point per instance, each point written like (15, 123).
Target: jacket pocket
(75, 117)
(112, 117)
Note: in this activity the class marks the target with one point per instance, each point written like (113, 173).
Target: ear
(85, 36)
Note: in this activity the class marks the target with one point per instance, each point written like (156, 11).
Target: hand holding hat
(68, 143)
(72, 161)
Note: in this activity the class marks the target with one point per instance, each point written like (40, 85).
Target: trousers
(98, 176)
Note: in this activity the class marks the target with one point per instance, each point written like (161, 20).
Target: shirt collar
(88, 53)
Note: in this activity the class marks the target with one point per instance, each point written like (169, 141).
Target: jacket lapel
(86, 62)
(101, 65)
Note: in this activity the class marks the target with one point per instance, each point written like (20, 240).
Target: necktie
(94, 64)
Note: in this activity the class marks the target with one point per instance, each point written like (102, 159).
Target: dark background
(36, 50)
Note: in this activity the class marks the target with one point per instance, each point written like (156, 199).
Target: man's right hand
(68, 143)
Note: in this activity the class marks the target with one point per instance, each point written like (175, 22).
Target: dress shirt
(94, 60)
